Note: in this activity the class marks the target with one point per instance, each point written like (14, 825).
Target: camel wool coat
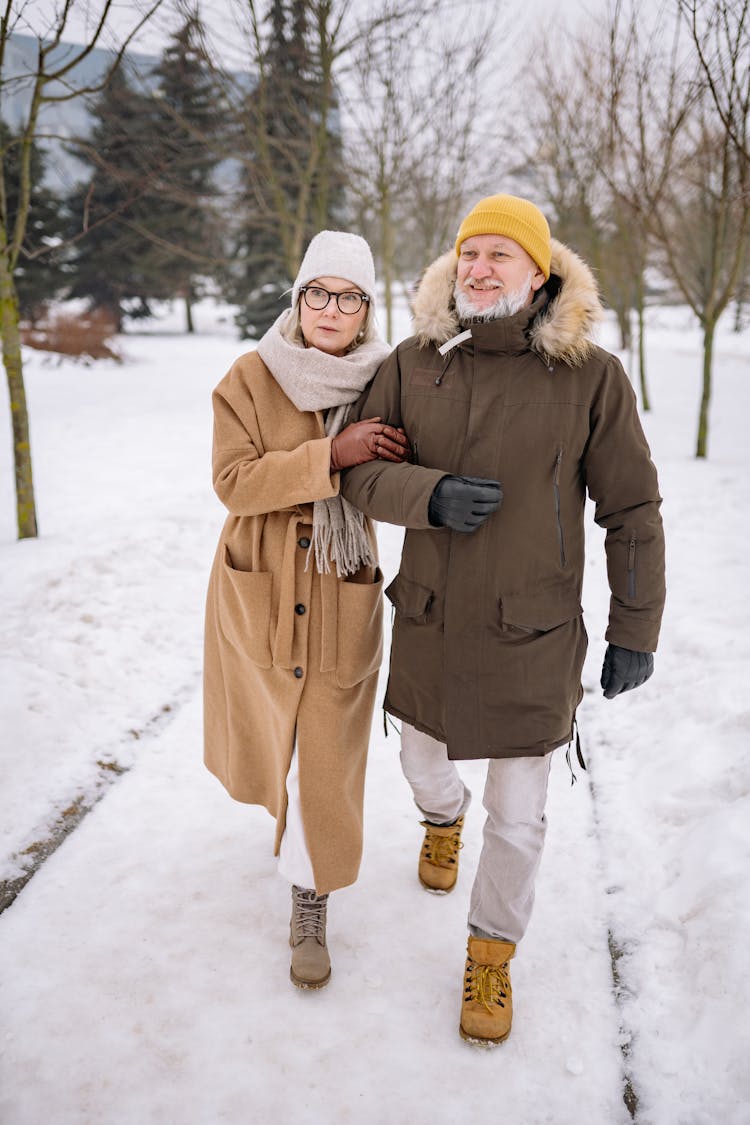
(289, 652)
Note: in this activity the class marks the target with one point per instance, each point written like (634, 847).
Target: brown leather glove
(368, 440)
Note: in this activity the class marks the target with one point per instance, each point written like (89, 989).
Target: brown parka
(288, 651)
(488, 638)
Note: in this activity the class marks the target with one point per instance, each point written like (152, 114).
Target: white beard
(508, 303)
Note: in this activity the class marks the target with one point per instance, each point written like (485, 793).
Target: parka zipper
(558, 514)
(631, 567)
(414, 453)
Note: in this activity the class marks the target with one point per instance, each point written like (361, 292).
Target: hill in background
(61, 122)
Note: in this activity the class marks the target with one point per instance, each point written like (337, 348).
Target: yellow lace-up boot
(438, 860)
(487, 1008)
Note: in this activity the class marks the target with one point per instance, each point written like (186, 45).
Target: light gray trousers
(515, 793)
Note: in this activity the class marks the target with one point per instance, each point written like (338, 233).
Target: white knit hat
(335, 253)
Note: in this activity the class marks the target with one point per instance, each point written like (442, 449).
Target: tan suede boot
(487, 1008)
(438, 860)
(311, 965)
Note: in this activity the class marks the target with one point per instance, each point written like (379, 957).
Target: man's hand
(368, 440)
(624, 670)
(463, 503)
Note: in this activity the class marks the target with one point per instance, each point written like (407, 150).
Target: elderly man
(513, 416)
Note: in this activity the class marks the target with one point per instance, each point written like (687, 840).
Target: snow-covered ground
(144, 968)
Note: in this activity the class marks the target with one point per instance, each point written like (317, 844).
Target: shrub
(83, 334)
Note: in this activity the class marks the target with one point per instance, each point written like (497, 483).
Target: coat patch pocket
(359, 644)
(423, 377)
(244, 599)
(434, 382)
(410, 599)
(539, 613)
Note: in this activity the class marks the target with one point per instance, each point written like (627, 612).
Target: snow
(144, 968)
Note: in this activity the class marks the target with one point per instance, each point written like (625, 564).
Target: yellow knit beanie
(514, 217)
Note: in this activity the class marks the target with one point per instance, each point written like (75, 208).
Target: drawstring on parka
(447, 351)
(575, 733)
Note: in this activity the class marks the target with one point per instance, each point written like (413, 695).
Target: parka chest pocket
(244, 608)
(438, 383)
(359, 631)
(411, 600)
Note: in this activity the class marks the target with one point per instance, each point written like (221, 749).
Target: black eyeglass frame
(363, 299)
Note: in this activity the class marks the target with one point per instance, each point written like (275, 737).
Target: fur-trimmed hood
(561, 332)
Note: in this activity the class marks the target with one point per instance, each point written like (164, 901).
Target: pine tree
(40, 274)
(111, 211)
(187, 120)
(291, 171)
(152, 231)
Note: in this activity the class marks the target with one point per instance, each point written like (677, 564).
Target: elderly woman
(293, 622)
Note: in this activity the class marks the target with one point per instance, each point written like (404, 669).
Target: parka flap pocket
(411, 599)
(540, 612)
(244, 606)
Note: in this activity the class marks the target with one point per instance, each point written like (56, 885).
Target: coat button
(298, 673)
(300, 609)
(303, 542)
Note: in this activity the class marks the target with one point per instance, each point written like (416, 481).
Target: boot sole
(478, 1041)
(436, 890)
(308, 984)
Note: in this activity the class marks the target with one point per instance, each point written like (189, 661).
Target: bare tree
(287, 130)
(703, 229)
(52, 80)
(679, 167)
(720, 34)
(412, 144)
(567, 157)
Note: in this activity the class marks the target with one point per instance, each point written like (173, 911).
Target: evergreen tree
(111, 212)
(187, 120)
(40, 274)
(292, 181)
(152, 231)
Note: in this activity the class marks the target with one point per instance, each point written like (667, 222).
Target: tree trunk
(386, 255)
(701, 447)
(189, 325)
(640, 309)
(738, 313)
(13, 363)
(623, 323)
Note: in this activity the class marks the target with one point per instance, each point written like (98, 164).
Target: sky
(506, 17)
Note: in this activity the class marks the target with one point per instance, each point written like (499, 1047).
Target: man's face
(491, 266)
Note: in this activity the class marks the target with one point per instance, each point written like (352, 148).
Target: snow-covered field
(144, 968)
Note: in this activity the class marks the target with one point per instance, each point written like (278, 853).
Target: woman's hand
(368, 440)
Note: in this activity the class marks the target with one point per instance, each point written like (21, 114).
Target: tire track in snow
(108, 772)
(616, 952)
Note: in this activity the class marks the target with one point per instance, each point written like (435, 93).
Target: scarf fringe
(342, 539)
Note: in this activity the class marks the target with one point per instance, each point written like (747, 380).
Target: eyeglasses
(317, 298)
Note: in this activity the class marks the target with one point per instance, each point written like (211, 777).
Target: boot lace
(309, 916)
(487, 984)
(442, 850)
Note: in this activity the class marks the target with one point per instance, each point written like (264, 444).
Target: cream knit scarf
(314, 380)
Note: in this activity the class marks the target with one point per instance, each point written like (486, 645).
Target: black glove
(624, 670)
(463, 503)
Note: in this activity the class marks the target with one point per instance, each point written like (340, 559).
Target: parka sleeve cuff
(637, 633)
(391, 493)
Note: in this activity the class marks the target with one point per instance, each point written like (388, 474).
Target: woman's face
(329, 329)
